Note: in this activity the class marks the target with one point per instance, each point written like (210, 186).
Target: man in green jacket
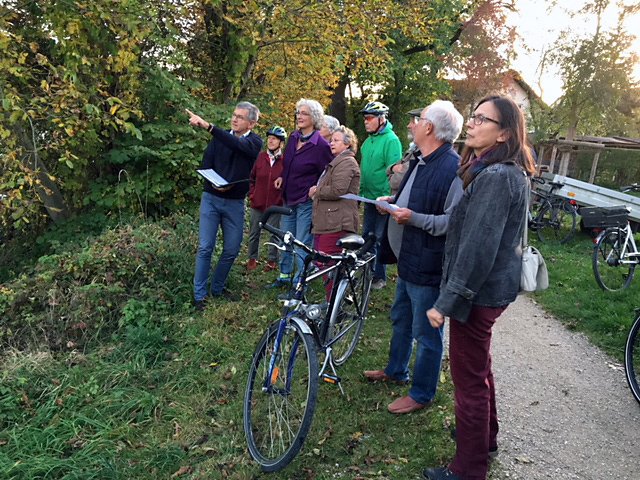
(379, 151)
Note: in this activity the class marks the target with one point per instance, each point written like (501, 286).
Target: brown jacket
(330, 212)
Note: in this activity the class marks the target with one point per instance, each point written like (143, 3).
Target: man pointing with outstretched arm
(231, 154)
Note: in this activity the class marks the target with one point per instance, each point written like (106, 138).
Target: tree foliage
(600, 97)
(92, 94)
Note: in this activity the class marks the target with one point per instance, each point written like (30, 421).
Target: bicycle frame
(626, 253)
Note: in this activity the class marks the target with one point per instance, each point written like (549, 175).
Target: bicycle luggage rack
(603, 217)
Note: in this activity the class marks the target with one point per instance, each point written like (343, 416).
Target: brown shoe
(380, 376)
(252, 264)
(405, 405)
(270, 266)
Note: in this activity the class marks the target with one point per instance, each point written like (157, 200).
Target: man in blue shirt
(231, 154)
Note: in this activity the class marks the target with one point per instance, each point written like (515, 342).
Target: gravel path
(565, 409)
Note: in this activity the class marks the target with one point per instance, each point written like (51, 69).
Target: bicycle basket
(603, 217)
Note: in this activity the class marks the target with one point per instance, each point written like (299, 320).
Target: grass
(162, 396)
(575, 298)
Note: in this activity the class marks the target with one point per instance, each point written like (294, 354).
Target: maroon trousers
(326, 242)
(475, 396)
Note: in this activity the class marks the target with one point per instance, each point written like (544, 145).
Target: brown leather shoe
(380, 376)
(252, 264)
(270, 266)
(405, 405)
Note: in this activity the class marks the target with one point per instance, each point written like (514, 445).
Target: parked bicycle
(553, 218)
(615, 254)
(304, 346)
(632, 357)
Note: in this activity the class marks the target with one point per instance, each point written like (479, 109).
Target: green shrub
(127, 277)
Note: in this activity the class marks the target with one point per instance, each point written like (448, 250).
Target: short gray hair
(446, 120)
(331, 123)
(315, 109)
(254, 113)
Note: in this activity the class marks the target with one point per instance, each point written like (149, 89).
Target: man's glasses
(479, 119)
(236, 116)
(368, 118)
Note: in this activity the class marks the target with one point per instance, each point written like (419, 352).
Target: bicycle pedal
(332, 379)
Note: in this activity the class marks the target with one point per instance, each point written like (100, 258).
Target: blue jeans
(374, 222)
(409, 321)
(299, 224)
(217, 212)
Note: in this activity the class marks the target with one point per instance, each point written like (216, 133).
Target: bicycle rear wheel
(632, 359)
(556, 222)
(610, 274)
(278, 411)
(345, 323)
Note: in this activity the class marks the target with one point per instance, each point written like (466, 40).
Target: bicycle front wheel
(632, 359)
(609, 272)
(279, 402)
(347, 317)
(556, 222)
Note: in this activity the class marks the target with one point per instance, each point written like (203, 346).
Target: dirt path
(565, 409)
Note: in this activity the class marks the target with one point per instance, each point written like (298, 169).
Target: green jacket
(379, 151)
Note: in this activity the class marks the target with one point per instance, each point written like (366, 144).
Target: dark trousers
(475, 396)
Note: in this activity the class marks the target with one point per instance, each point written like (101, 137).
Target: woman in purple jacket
(305, 158)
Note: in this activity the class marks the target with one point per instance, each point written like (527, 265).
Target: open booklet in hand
(216, 180)
(379, 203)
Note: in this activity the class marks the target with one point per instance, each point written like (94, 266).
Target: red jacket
(262, 193)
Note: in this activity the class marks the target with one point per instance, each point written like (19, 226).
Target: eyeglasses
(418, 119)
(479, 119)
(368, 118)
(303, 113)
(236, 116)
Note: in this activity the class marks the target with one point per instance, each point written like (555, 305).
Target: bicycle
(632, 357)
(615, 254)
(287, 365)
(553, 218)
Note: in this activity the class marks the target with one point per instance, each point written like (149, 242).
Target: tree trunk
(338, 107)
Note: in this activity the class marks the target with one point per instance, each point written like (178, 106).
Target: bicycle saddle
(351, 242)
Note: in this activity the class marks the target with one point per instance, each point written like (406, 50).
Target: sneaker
(378, 284)
(279, 283)
(441, 473)
(252, 264)
(270, 266)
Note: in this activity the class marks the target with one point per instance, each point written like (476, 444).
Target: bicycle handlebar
(288, 238)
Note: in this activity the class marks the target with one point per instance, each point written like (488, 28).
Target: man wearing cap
(417, 226)
(379, 151)
(395, 172)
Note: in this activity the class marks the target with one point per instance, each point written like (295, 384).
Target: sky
(539, 28)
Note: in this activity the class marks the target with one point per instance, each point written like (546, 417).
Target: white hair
(446, 120)
(331, 123)
(315, 109)
(252, 110)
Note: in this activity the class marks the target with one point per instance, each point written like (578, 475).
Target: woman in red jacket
(263, 194)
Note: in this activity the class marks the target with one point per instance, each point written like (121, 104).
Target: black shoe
(227, 295)
(200, 305)
(440, 473)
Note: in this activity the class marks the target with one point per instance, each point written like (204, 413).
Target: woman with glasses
(481, 274)
(335, 217)
(305, 157)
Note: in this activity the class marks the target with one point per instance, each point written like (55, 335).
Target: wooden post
(540, 159)
(594, 167)
(564, 163)
(552, 162)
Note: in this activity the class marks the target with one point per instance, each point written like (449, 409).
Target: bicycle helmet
(375, 108)
(278, 131)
